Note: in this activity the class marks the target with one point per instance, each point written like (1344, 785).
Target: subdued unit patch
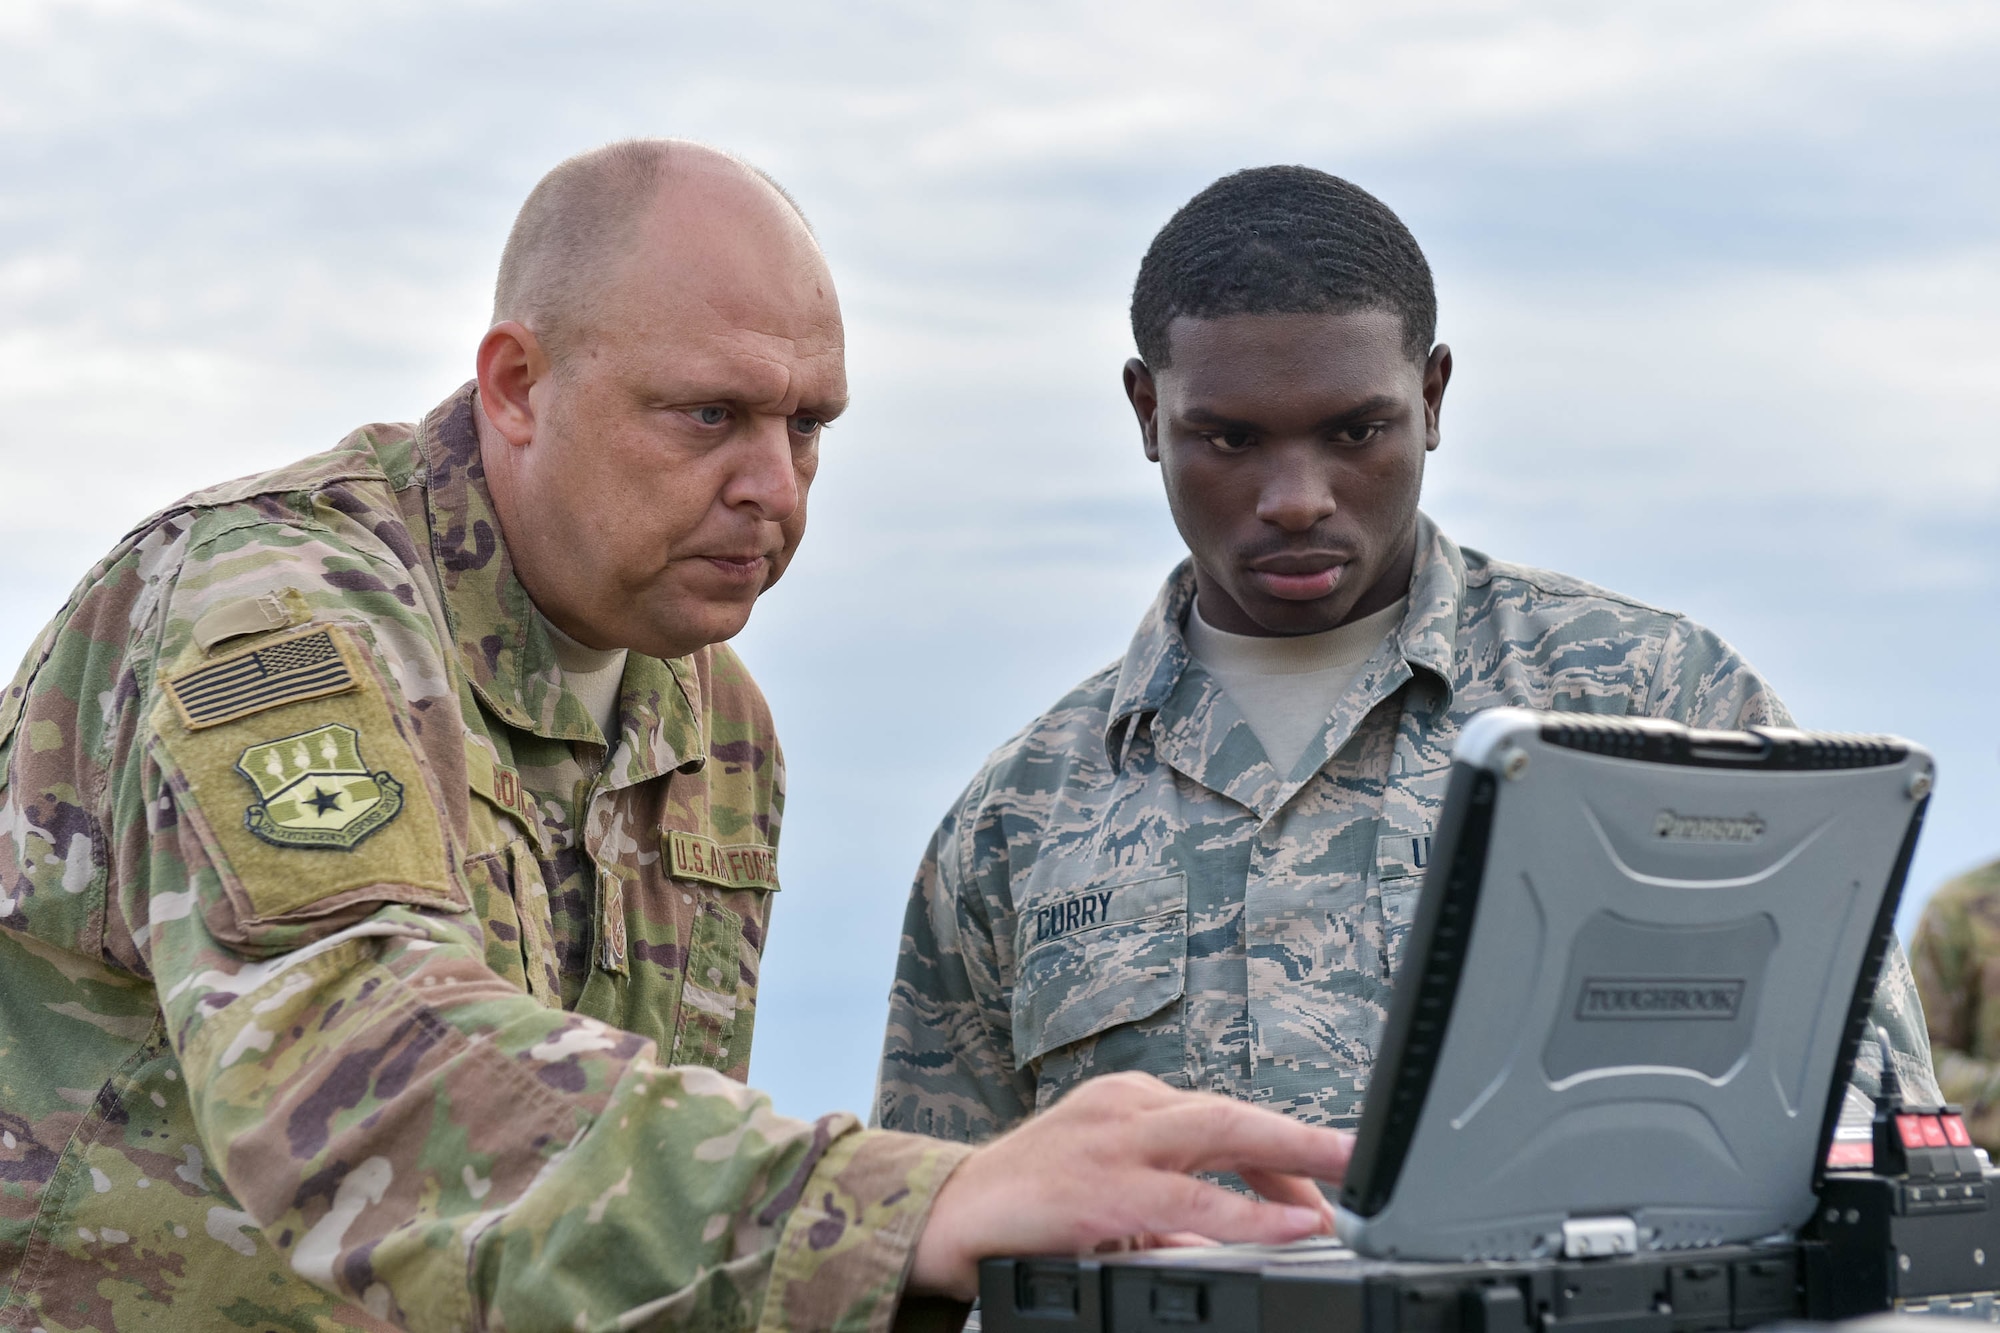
(346, 802)
(298, 667)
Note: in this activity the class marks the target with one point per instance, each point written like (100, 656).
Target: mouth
(1299, 576)
(745, 567)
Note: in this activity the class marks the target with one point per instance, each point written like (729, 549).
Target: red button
(1850, 1153)
(1934, 1136)
(1910, 1129)
(1954, 1132)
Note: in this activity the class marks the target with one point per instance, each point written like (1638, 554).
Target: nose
(1297, 491)
(763, 475)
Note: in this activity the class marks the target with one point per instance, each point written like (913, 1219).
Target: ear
(1437, 374)
(1145, 399)
(511, 363)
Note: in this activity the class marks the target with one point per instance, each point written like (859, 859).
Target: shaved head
(578, 224)
(666, 348)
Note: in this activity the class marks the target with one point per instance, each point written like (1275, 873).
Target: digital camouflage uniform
(1956, 956)
(1129, 884)
(340, 989)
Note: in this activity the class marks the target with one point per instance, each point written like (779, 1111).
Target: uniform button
(687, 897)
(715, 976)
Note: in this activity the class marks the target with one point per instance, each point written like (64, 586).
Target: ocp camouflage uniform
(345, 984)
(1129, 884)
(1956, 956)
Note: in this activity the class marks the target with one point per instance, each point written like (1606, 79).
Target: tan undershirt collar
(591, 674)
(1287, 687)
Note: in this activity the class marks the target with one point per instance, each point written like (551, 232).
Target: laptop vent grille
(1769, 749)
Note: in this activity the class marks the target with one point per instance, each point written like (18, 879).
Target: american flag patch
(305, 666)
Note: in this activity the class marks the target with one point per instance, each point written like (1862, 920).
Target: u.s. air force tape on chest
(746, 865)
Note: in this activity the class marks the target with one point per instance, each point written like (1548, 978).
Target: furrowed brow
(1378, 406)
(1202, 417)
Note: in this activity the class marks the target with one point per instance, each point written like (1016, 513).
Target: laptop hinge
(1597, 1237)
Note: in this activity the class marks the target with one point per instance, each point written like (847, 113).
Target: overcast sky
(1720, 278)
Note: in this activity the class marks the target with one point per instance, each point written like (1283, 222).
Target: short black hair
(1282, 241)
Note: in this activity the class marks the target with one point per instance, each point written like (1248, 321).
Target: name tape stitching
(745, 865)
(1072, 914)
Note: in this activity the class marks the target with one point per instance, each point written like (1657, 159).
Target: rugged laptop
(1618, 1048)
(1633, 992)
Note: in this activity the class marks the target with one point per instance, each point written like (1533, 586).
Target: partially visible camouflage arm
(948, 1055)
(1703, 682)
(421, 1137)
(1899, 1012)
(1944, 956)
(1954, 943)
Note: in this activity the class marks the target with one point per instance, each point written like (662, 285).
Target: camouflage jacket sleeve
(1900, 1013)
(406, 1129)
(948, 1055)
(1957, 942)
(1704, 682)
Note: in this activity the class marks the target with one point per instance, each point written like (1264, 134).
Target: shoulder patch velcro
(250, 615)
(297, 667)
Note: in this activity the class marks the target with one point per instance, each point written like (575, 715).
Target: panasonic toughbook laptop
(1628, 1006)
(1616, 1054)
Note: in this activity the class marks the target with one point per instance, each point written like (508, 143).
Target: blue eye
(806, 425)
(711, 416)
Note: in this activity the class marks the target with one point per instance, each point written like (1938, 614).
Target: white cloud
(1871, 382)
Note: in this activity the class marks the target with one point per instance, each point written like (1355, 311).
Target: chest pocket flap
(1096, 958)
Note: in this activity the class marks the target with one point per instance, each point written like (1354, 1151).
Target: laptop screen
(1640, 966)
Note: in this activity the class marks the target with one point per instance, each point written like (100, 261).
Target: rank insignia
(317, 792)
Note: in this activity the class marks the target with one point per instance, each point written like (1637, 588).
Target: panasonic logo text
(1675, 827)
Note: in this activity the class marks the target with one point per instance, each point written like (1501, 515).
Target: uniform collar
(1157, 663)
(1429, 632)
(502, 646)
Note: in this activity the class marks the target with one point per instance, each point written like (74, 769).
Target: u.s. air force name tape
(734, 866)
